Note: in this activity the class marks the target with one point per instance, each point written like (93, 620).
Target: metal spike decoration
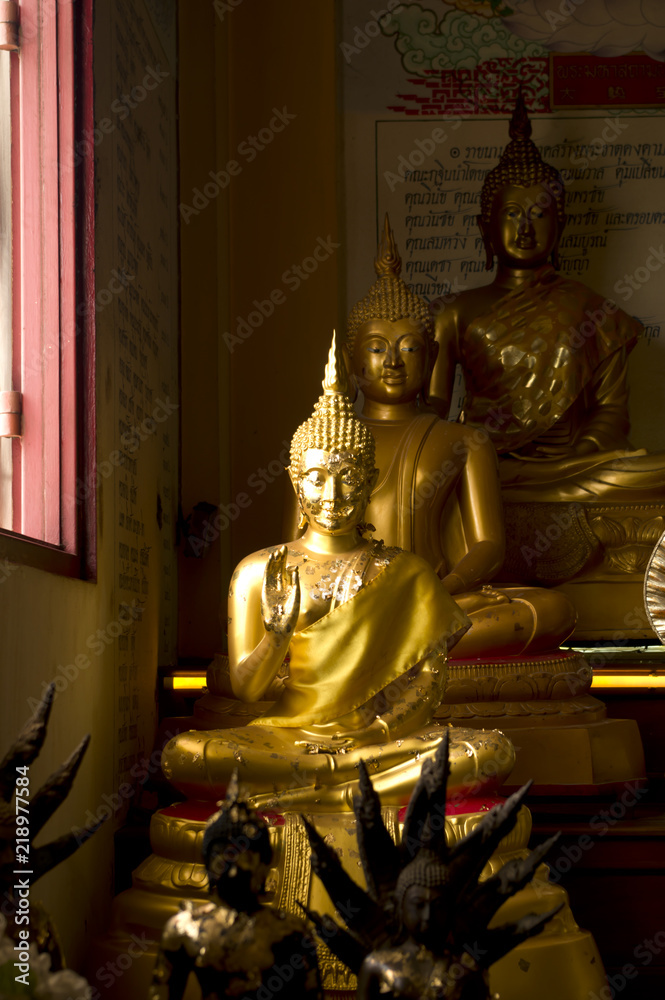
(428, 797)
(434, 775)
(45, 802)
(341, 943)
(498, 942)
(470, 855)
(25, 748)
(488, 896)
(471, 904)
(366, 919)
(56, 789)
(379, 855)
(47, 857)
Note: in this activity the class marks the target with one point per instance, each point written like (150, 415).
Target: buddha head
(390, 348)
(522, 202)
(332, 457)
(421, 899)
(236, 852)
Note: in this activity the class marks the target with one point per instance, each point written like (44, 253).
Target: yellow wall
(270, 216)
(45, 622)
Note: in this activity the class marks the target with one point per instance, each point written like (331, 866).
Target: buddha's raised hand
(280, 596)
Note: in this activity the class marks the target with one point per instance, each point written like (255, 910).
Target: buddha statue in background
(366, 628)
(438, 492)
(544, 360)
(544, 357)
(438, 495)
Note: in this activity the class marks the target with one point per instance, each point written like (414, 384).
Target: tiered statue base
(562, 736)
(600, 551)
(561, 962)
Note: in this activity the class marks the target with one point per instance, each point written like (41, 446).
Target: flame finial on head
(387, 261)
(335, 381)
(520, 126)
(334, 426)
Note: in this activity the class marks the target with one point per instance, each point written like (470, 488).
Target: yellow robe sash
(362, 646)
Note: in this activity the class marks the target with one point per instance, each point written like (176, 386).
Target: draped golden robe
(342, 674)
(547, 345)
(545, 370)
(360, 647)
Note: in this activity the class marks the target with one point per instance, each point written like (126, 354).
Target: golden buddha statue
(366, 629)
(544, 360)
(438, 493)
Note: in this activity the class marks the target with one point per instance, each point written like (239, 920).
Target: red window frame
(53, 270)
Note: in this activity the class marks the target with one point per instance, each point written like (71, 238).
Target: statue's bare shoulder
(456, 441)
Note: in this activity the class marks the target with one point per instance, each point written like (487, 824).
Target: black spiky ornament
(21, 863)
(421, 929)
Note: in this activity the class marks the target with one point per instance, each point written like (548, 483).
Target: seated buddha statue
(544, 360)
(438, 495)
(366, 629)
(438, 492)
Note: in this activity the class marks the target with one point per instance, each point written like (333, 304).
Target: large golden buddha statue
(544, 360)
(355, 619)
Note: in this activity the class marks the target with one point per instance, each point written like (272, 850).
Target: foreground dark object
(21, 821)
(421, 930)
(234, 944)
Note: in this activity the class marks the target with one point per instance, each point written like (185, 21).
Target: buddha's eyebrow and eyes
(531, 211)
(316, 477)
(380, 346)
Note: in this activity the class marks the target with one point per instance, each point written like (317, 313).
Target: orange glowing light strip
(196, 682)
(628, 681)
(188, 682)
